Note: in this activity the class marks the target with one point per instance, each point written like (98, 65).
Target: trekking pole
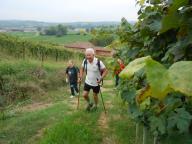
(78, 95)
(102, 98)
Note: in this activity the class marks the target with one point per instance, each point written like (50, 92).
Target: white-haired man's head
(89, 53)
(89, 50)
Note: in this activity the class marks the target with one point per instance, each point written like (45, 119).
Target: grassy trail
(94, 127)
(60, 122)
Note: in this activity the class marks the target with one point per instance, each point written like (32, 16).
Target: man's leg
(95, 96)
(86, 96)
(72, 90)
(76, 88)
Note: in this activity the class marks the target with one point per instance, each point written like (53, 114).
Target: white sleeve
(102, 65)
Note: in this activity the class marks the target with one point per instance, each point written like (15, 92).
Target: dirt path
(103, 121)
(105, 130)
(33, 107)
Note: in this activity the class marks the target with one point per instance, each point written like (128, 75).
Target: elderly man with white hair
(95, 72)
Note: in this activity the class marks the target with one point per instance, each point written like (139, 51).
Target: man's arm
(81, 74)
(105, 71)
(66, 76)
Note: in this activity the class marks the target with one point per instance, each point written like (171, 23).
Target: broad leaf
(180, 75)
(157, 77)
(133, 67)
(180, 119)
(157, 124)
(170, 21)
(128, 95)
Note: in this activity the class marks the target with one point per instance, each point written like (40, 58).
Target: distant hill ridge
(34, 24)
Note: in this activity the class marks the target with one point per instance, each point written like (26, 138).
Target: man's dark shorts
(95, 89)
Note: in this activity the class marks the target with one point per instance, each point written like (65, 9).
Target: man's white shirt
(93, 72)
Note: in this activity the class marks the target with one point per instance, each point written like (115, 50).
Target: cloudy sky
(68, 10)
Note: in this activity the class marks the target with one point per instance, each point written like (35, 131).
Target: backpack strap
(99, 65)
(85, 66)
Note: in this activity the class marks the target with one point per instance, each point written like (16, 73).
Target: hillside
(5, 24)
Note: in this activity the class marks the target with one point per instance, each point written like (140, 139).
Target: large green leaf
(180, 75)
(157, 124)
(161, 81)
(133, 67)
(173, 18)
(170, 21)
(180, 119)
(155, 25)
(157, 77)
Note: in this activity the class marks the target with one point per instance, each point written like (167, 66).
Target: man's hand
(79, 80)
(99, 80)
(66, 80)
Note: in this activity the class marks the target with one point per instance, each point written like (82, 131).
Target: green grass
(22, 127)
(80, 128)
(53, 39)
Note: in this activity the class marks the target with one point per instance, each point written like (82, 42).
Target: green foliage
(180, 76)
(133, 67)
(179, 119)
(20, 80)
(157, 94)
(102, 37)
(24, 48)
(159, 78)
(163, 31)
(158, 125)
(147, 92)
(58, 30)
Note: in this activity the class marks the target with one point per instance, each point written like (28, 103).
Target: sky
(68, 10)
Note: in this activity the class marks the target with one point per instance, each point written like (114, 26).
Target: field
(70, 38)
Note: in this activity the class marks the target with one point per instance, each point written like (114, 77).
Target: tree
(58, 30)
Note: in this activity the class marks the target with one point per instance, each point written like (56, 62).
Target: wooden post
(137, 133)
(144, 135)
(155, 140)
